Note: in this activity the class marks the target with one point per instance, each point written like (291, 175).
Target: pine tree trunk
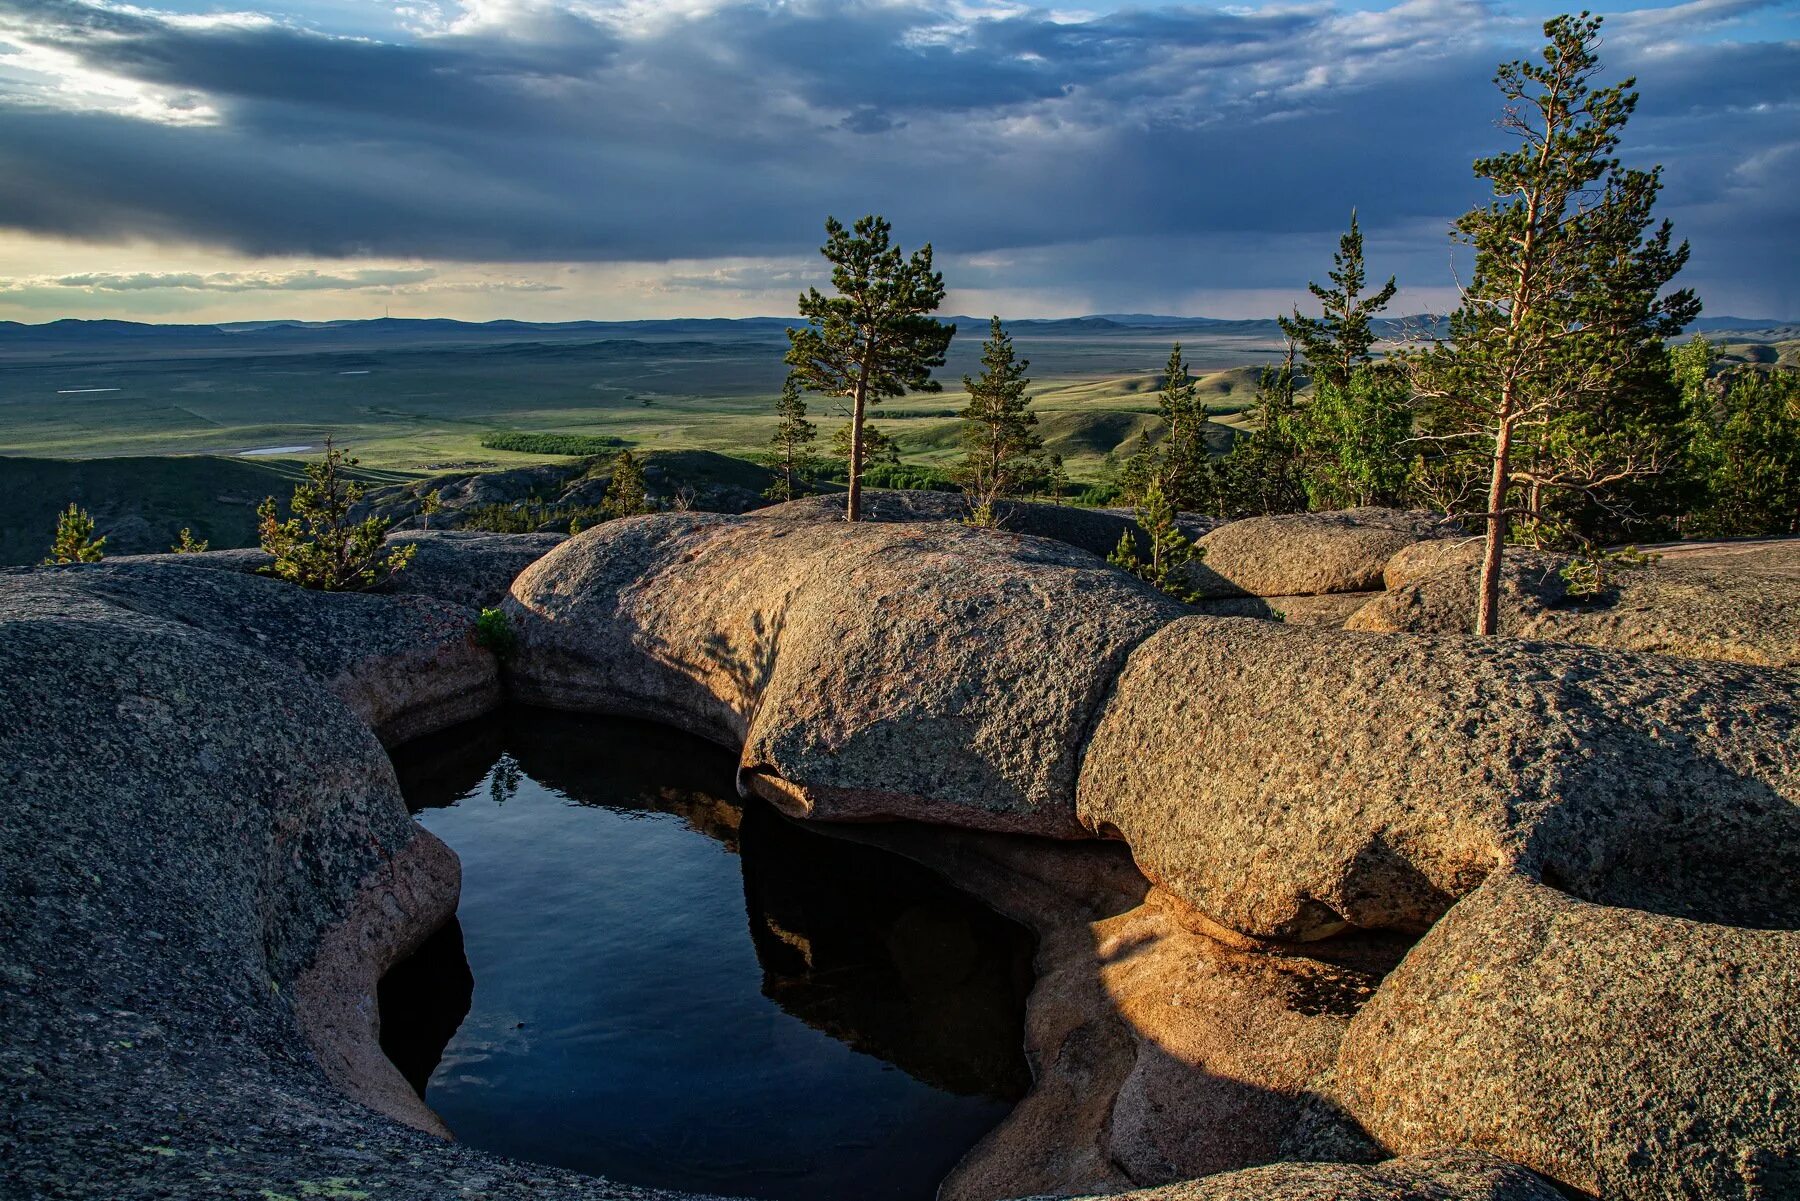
(1487, 615)
(853, 511)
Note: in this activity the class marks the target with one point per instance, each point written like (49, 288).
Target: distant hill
(71, 334)
(141, 503)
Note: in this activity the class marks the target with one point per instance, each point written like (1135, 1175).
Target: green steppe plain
(418, 409)
(141, 429)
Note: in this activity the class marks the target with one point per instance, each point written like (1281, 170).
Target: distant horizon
(1739, 320)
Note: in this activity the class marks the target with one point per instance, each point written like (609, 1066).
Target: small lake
(651, 981)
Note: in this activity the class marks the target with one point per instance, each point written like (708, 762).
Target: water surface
(673, 989)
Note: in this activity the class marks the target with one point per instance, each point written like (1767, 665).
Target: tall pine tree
(874, 339)
(1562, 317)
(1003, 453)
(1336, 343)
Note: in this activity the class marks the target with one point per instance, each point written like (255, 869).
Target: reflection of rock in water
(859, 943)
(440, 769)
(878, 952)
(423, 999)
(628, 765)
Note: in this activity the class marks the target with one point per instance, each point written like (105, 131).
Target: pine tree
(873, 340)
(320, 546)
(1352, 437)
(1170, 549)
(626, 495)
(1743, 438)
(1563, 315)
(75, 541)
(1003, 453)
(187, 544)
(1178, 463)
(793, 438)
(1337, 342)
(1263, 473)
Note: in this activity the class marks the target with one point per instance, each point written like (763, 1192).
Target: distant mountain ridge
(72, 332)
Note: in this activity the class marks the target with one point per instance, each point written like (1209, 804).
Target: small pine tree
(1745, 451)
(75, 541)
(320, 546)
(626, 495)
(1336, 343)
(188, 544)
(430, 505)
(1264, 473)
(794, 434)
(1178, 463)
(1170, 549)
(1002, 453)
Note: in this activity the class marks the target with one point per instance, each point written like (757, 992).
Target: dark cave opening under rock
(653, 981)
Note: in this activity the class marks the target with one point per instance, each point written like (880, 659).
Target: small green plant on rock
(320, 546)
(982, 515)
(1170, 549)
(494, 632)
(188, 544)
(75, 541)
(1592, 575)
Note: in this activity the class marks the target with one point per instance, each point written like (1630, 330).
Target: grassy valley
(153, 428)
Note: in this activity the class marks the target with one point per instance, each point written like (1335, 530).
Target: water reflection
(864, 1035)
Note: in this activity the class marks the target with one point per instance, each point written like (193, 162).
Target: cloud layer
(1132, 157)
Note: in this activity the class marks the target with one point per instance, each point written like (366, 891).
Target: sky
(186, 160)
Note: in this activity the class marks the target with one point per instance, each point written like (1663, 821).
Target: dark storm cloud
(530, 129)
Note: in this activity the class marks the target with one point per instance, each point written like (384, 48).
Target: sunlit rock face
(1288, 781)
(1737, 608)
(1308, 554)
(924, 671)
(1625, 1052)
(207, 864)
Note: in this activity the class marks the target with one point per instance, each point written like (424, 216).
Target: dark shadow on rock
(885, 956)
(423, 1000)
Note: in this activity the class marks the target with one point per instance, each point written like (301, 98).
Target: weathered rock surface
(1439, 1176)
(1305, 554)
(1329, 609)
(465, 567)
(1732, 613)
(1096, 531)
(206, 865)
(1625, 1053)
(185, 820)
(1421, 559)
(404, 664)
(868, 671)
(1284, 781)
(1778, 556)
(1159, 1053)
